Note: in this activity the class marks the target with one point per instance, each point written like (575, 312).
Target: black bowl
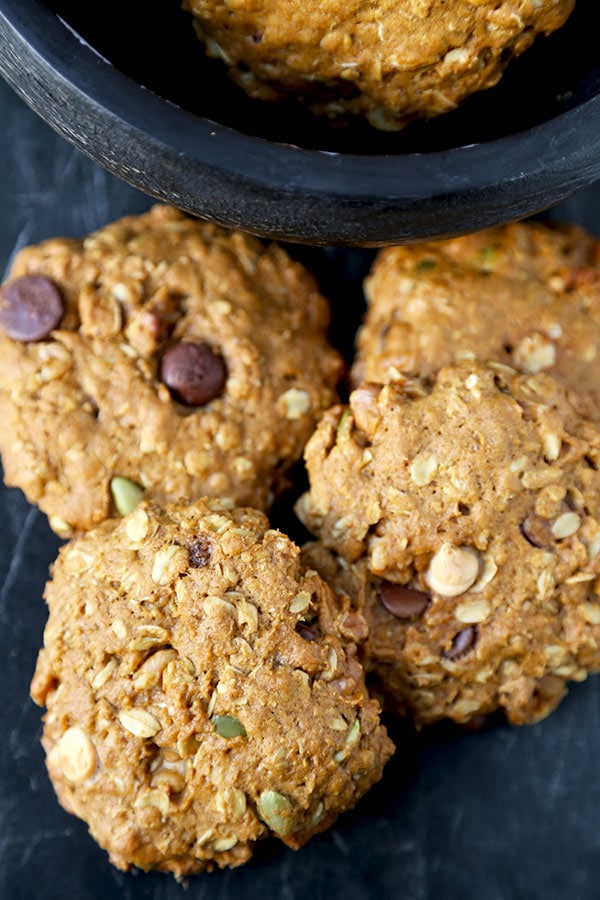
(130, 86)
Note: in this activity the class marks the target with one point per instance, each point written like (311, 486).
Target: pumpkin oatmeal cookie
(202, 689)
(161, 357)
(392, 62)
(526, 294)
(466, 512)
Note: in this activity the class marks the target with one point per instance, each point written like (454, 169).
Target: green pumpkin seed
(126, 494)
(228, 726)
(276, 811)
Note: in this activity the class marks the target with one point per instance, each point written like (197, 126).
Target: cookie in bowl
(202, 689)
(391, 62)
(160, 357)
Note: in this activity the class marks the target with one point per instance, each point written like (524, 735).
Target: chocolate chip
(306, 632)
(30, 308)
(199, 552)
(401, 601)
(462, 642)
(193, 373)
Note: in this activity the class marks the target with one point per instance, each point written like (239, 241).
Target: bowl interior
(155, 44)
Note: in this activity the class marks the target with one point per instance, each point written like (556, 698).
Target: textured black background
(502, 814)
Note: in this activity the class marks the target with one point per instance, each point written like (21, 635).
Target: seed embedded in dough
(566, 525)
(452, 570)
(126, 494)
(275, 810)
(76, 755)
(140, 722)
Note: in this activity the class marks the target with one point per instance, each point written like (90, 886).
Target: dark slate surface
(503, 814)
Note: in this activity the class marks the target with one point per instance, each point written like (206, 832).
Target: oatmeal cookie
(160, 355)
(202, 689)
(393, 62)
(467, 513)
(525, 294)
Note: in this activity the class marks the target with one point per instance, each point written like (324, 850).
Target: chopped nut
(140, 722)
(76, 755)
(452, 570)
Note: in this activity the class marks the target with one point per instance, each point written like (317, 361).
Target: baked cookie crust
(202, 689)
(105, 394)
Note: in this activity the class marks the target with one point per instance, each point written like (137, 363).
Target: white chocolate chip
(566, 525)
(452, 570)
(76, 755)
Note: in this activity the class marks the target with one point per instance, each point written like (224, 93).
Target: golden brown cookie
(480, 494)
(393, 62)
(202, 689)
(525, 294)
(165, 353)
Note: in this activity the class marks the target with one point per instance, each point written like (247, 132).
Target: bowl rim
(194, 162)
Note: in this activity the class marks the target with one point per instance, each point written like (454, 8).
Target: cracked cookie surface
(202, 689)
(466, 511)
(187, 360)
(524, 294)
(393, 62)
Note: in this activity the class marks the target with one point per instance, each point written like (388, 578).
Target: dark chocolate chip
(306, 632)
(401, 601)
(194, 373)
(536, 532)
(462, 642)
(30, 308)
(199, 552)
